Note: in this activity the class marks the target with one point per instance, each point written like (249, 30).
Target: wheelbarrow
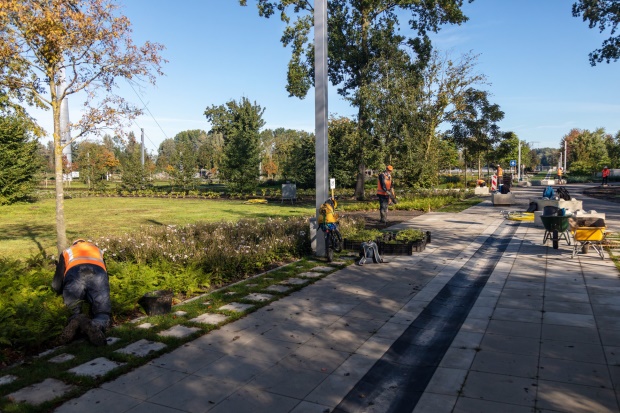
(556, 228)
(589, 236)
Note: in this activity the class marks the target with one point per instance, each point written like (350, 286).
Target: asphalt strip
(397, 381)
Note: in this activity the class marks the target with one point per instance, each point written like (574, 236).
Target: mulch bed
(608, 193)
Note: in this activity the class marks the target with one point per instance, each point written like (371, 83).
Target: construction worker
(385, 192)
(606, 173)
(560, 171)
(80, 276)
(500, 178)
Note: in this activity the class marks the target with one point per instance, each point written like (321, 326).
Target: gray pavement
(486, 319)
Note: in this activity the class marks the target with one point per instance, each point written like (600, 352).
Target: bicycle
(328, 223)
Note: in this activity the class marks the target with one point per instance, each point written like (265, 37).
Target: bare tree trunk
(61, 230)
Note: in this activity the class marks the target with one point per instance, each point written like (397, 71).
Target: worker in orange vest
(385, 192)
(81, 275)
(500, 178)
(605, 174)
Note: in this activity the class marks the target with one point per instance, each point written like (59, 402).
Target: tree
(239, 123)
(588, 152)
(474, 125)
(604, 14)
(361, 35)
(53, 49)
(19, 159)
(134, 175)
(94, 162)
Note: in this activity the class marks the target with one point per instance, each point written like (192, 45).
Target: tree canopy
(52, 49)
(604, 14)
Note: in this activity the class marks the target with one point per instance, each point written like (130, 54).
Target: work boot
(93, 332)
(70, 331)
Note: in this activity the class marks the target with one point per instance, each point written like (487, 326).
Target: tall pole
(519, 166)
(142, 147)
(65, 133)
(320, 109)
(565, 145)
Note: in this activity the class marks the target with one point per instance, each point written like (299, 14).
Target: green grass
(461, 205)
(28, 229)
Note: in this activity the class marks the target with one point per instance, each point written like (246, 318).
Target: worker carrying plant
(81, 276)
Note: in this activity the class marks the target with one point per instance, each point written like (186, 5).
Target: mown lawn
(29, 228)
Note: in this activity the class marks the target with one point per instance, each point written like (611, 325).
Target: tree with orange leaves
(53, 49)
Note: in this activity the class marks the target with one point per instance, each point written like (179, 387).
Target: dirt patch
(608, 193)
(372, 217)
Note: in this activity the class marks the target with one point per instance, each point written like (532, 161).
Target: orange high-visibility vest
(606, 172)
(83, 253)
(500, 171)
(388, 185)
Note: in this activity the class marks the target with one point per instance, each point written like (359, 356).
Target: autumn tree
(53, 49)
(604, 14)
(94, 162)
(361, 36)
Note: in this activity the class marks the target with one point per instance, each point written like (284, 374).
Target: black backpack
(563, 193)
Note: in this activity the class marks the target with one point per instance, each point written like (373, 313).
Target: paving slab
(179, 331)
(112, 340)
(141, 348)
(61, 358)
(278, 288)
(294, 281)
(310, 274)
(236, 307)
(146, 326)
(6, 379)
(258, 297)
(96, 368)
(47, 390)
(210, 318)
(98, 401)
(180, 313)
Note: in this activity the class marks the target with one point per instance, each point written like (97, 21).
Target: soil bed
(372, 217)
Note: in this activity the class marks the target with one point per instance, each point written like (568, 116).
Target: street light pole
(320, 112)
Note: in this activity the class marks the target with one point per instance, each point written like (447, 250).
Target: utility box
(289, 192)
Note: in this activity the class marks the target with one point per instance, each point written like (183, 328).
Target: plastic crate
(401, 248)
(352, 245)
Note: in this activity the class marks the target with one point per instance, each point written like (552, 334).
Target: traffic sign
(513, 163)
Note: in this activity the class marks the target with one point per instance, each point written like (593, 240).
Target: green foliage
(19, 159)
(30, 312)
(239, 122)
(135, 176)
(603, 14)
(409, 235)
(365, 235)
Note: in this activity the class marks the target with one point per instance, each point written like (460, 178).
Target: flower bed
(404, 242)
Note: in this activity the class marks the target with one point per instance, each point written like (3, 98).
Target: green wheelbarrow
(556, 228)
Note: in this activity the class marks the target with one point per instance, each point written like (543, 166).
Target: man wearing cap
(500, 177)
(606, 172)
(384, 190)
(80, 276)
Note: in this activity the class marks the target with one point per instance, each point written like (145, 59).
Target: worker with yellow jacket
(81, 276)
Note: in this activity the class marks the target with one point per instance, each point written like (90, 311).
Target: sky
(534, 54)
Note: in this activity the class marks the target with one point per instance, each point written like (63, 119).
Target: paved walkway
(486, 319)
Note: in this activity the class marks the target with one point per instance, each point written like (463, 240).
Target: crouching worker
(80, 276)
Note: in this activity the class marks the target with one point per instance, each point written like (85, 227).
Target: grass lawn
(27, 229)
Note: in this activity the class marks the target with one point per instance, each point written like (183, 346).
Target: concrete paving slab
(180, 313)
(144, 382)
(146, 407)
(194, 394)
(252, 400)
(434, 403)
(141, 348)
(210, 318)
(38, 393)
(187, 359)
(510, 344)
(569, 319)
(258, 297)
(236, 307)
(7, 378)
(310, 274)
(575, 372)
(178, 331)
(112, 340)
(516, 365)
(61, 358)
(500, 388)
(566, 397)
(234, 369)
(287, 381)
(98, 401)
(278, 288)
(469, 405)
(146, 326)
(570, 350)
(322, 269)
(294, 281)
(96, 368)
(447, 381)
(332, 390)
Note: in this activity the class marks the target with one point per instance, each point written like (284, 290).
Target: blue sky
(533, 52)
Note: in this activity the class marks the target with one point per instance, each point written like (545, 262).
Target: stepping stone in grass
(95, 368)
(112, 340)
(42, 392)
(311, 274)
(179, 331)
(61, 358)
(237, 307)
(7, 379)
(210, 318)
(180, 313)
(146, 326)
(141, 348)
(278, 288)
(258, 297)
(294, 281)
(323, 269)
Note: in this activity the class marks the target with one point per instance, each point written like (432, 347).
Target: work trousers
(384, 201)
(87, 282)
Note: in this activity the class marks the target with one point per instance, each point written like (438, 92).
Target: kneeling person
(80, 276)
